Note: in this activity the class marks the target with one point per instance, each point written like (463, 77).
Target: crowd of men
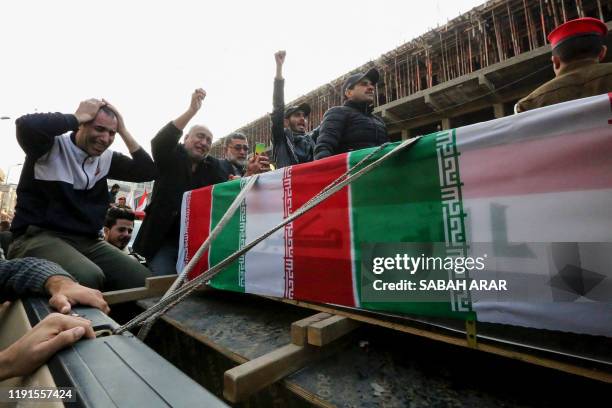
(63, 200)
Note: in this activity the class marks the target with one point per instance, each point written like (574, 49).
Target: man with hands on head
(19, 277)
(62, 196)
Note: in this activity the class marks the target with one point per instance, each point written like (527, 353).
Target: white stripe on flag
(265, 270)
(575, 216)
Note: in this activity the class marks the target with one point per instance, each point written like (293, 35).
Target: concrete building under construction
(472, 69)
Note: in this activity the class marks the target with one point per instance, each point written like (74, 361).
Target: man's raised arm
(164, 143)
(278, 100)
(137, 169)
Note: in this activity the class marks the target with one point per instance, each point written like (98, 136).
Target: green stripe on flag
(400, 201)
(228, 241)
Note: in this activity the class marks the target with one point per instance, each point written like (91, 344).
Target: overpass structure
(472, 69)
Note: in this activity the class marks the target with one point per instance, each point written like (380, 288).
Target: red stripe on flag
(322, 237)
(575, 162)
(198, 226)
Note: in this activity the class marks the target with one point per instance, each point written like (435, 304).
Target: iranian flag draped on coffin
(543, 176)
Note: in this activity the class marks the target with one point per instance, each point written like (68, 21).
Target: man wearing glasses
(237, 162)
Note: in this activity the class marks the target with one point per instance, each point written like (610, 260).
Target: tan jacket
(576, 80)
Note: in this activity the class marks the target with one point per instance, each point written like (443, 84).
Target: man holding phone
(237, 162)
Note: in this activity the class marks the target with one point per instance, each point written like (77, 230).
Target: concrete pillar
(446, 124)
(498, 110)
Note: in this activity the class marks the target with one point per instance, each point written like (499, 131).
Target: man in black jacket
(62, 196)
(352, 126)
(291, 145)
(182, 167)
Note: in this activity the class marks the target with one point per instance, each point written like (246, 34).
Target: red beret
(575, 28)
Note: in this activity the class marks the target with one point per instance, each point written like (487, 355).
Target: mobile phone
(260, 148)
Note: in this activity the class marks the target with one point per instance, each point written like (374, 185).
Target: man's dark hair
(113, 214)
(237, 135)
(115, 186)
(577, 48)
(5, 225)
(108, 111)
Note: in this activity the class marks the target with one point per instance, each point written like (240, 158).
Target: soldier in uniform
(577, 52)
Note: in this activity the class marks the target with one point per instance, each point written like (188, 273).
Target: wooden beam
(160, 282)
(245, 380)
(299, 329)
(568, 367)
(154, 286)
(325, 331)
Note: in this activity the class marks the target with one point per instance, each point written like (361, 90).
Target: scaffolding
(488, 34)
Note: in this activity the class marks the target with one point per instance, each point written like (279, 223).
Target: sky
(147, 57)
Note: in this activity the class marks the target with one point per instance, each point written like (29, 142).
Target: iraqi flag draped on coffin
(543, 176)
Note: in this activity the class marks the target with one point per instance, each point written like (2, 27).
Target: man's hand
(197, 97)
(121, 129)
(87, 110)
(129, 141)
(50, 335)
(196, 100)
(279, 56)
(258, 163)
(65, 293)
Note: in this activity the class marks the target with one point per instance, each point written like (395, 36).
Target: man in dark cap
(291, 144)
(352, 126)
(577, 52)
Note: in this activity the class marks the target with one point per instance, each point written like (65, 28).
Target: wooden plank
(245, 380)
(526, 357)
(126, 295)
(160, 283)
(375, 367)
(225, 322)
(299, 329)
(324, 332)
(154, 286)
